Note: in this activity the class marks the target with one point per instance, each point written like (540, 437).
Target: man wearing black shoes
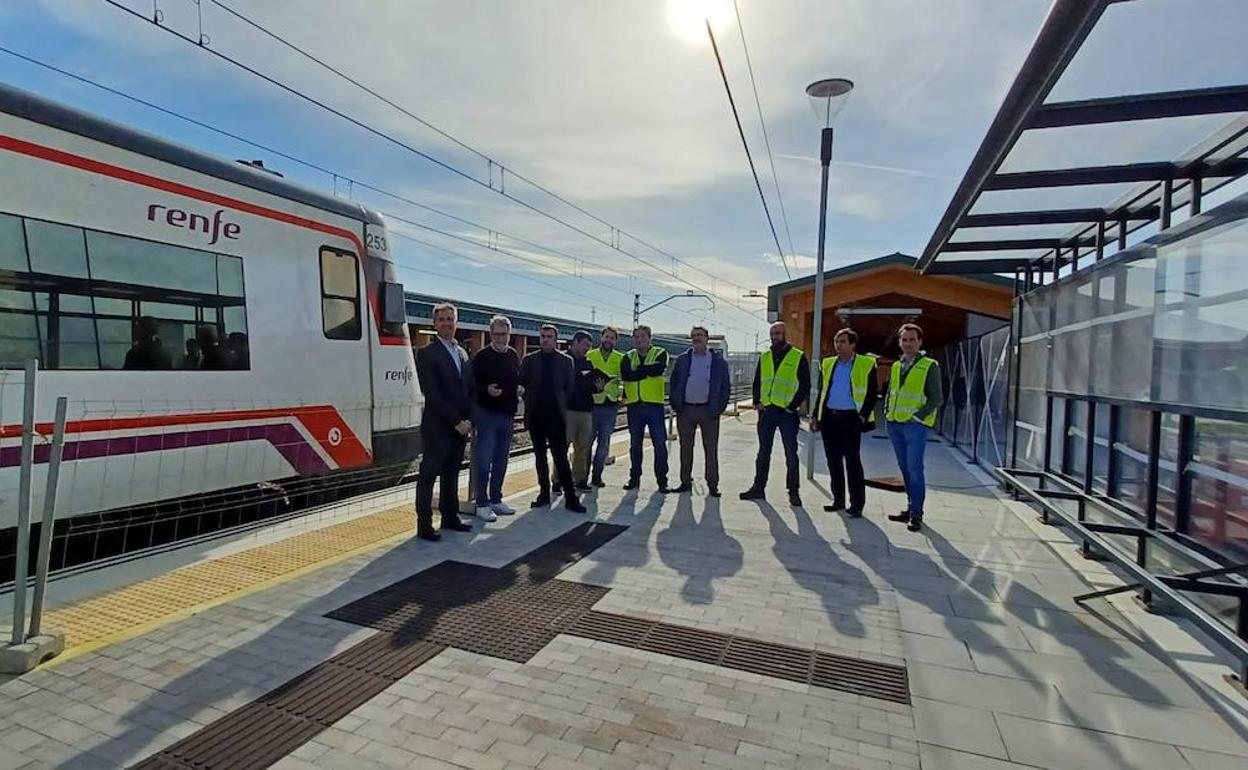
(445, 376)
(641, 373)
(781, 385)
(547, 376)
(701, 385)
(844, 412)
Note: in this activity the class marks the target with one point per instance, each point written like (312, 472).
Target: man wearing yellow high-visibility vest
(914, 396)
(781, 385)
(847, 396)
(606, 359)
(642, 373)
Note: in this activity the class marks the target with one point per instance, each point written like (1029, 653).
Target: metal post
(49, 516)
(1167, 202)
(1183, 478)
(1089, 452)
(1111, 476)
(636, 310)
(1197, 193)
(825, 159)
(1122, 233)
(1100, 240)
(21, 556)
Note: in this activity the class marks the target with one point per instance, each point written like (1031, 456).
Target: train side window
(82, 299)
(340, 294)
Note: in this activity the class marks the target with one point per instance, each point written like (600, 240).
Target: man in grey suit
(445, 376)
(547, 378)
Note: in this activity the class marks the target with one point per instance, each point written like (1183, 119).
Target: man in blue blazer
(699, 394)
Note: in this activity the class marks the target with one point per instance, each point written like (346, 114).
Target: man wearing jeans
(781, 383)
(914, 395)
(642, 374)
(699, 395)
(495, 398)
(606, 359)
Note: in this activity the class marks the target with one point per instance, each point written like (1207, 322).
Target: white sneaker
(484, 513)
(502, 509)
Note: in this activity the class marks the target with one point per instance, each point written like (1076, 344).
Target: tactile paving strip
(796, 664)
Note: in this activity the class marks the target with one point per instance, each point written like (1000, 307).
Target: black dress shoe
(632, 484)
(915, 525)
(428, 534)
(836, 505)
(574, 505)
(542, 501)
(680, 490)
(583, 487)
(903, 517)
(713, 491)
(598, 482)
(795, 500)
(455, 525)
(753, 493)
(854, 513)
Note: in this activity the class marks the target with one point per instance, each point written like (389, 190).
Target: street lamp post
(828, 98)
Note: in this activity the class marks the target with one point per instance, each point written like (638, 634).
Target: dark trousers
(643, 418)
(842, 444)
(442, 454)
(689, 420)
(548, 432)
(771, 419)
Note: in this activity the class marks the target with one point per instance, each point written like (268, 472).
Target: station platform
(668, 631)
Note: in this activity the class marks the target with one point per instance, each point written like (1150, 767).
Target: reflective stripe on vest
(863, 367)
(906, 398)
(650, 389)
(778, 387)
(609, 366)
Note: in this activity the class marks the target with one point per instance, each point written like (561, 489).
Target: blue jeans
(604, 426)
(909, 443)
(643, 417)
(489, 455)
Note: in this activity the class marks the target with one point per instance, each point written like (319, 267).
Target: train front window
(82, 299)
(390, 300)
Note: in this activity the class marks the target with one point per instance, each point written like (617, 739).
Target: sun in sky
(688, 18)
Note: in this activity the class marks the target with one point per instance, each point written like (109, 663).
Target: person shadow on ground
(814, 565)
(702, 551)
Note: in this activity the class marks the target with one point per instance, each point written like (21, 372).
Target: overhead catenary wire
(736, 116)
(448, 167)
(337, 175)
(771, 159)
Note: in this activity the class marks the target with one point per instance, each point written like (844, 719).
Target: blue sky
(620, 110)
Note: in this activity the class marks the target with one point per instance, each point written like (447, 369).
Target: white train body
(307, 377)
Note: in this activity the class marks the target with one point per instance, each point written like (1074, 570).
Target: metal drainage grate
(510, 613)
(835, 672)
(262, 732)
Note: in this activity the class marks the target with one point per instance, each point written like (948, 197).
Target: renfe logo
(404, 375)
(190, 221)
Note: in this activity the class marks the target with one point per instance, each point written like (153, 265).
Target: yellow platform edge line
(186, 612)
(138, 629)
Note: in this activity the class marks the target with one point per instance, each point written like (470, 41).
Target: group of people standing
(573, 399)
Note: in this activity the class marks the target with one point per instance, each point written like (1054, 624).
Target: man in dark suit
(445, 376)
(701, 387)
(547, 377)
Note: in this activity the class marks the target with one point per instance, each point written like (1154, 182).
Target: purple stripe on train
(284, 438)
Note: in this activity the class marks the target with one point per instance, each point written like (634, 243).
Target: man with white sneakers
(495, 399)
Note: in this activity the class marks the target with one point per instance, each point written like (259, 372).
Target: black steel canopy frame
(1162, 185)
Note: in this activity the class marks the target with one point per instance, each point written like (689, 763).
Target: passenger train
(213, 326)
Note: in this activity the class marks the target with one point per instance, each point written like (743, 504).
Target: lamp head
(828, 98)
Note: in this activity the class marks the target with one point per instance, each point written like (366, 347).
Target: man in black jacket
(547, 379)
(445, 376)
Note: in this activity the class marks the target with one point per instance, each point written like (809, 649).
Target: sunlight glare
(687, 18)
